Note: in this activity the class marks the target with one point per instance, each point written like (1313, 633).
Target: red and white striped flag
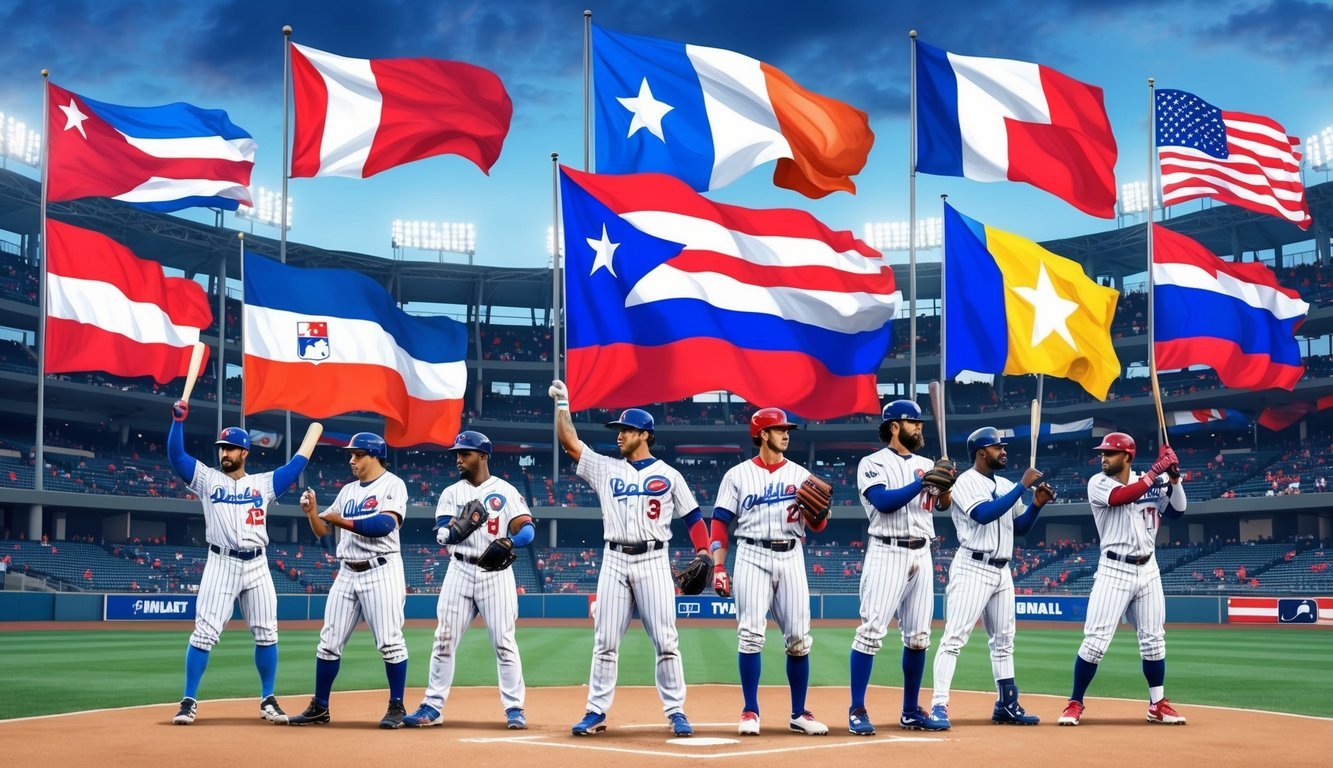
(1238, 158)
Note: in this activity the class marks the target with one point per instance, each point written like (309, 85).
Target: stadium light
(551, 242)
(895, 235)
(267, 209)
(1134, 198)
(454, 237)
(1319, 150)
(18, 142)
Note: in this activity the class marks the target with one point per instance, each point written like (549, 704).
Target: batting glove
(179, 410)
(721, 581)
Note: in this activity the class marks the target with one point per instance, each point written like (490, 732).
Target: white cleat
(749, 725)
(807, 724)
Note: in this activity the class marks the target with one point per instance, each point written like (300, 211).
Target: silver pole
(556, 325)
(911, 228)
(220, 365)
(286, 155)
(240, 246)
(587, 82)
(39, 453)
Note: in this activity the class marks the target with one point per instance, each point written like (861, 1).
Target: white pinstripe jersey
(995, 538)
(1129, 529)
(501, 501)
(764, 500)
(235, 511)
(386, 493)
(637, 504)
(892, 470)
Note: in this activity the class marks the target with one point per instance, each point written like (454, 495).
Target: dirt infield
(229, 733)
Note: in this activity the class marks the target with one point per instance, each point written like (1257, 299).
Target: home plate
(702, 741)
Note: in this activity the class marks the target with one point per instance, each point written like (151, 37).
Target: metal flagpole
(556, 325)
(911, 229)
(944, 346)
(1152, 327)
(587, 81)
(240, 240)
(39, 454)
(286, 160)
(220, 364)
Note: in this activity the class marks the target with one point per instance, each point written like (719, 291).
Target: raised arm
(564, 423)
(285, 477)
(181, 461)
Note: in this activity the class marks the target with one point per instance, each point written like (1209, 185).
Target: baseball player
(760, 495)
(370, 583)
(986, 515)
(639, 494)
(1128, 508)
(897, 576)
(235, 526)
(468, 589)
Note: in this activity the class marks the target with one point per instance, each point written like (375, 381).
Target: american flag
(1238, 158)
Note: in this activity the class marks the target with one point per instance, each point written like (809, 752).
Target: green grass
(61, 671)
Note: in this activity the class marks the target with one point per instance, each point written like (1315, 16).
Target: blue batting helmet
(634, 418)
(902, 410)
(369, 442)
(983, 438)
(471, 441)
(234, 436)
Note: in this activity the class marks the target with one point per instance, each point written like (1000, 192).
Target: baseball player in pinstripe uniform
(1128, 509)
(986, 515)
(370, 583)
(760, 495)
(468, 589)
(235, 526)
(639, 494)
(897, 576)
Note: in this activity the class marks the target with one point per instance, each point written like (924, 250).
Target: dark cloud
(1282, 24)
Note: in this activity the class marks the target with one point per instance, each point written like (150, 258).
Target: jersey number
(255, 516)
(493, 526)
(793, 513)
(654, 509)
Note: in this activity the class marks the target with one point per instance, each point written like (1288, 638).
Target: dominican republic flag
(1232, 317)
(1002, 120)
(327, 341)
(109, 310)
(1209, 419)
(671, 295)
(357, 117)
(157, 158)
(709, 116)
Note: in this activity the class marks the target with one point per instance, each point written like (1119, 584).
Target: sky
(1258, 56)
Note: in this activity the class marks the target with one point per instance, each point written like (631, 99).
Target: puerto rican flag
(157, 158)
(671, 295)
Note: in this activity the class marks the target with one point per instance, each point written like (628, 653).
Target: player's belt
(1127, 559)
(361, 566)
(904, 543)
(777, 545)
(466, 558)
(639, 548)
(239, 554)
(998, 562)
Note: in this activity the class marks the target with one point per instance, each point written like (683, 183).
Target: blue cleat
(918, 720)
(858, 722)
(679, 725)
(424, 716)
(1012, 714)
(592, 722)
(515, 719)
(939, 714)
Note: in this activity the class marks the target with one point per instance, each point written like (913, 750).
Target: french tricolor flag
(991, 119)
(1232, 317)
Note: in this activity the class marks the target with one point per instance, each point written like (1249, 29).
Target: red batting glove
(179, 410)
(721, 581)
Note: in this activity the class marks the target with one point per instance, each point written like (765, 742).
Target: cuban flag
(157, 158)
(1232, 317)
(671, 295)
(370, 356)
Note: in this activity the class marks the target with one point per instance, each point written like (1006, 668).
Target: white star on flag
(74, 118)
(1051, 311)
(648, 111)
(605, 250)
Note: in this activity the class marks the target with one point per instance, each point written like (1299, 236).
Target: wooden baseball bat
(312, 434)
(1036, 429)
(196, 356)
(936, 390)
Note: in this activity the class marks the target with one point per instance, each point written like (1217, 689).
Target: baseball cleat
(858, 722)
(270, 711)
(1073, 713)
(393, 716)
(1163, 712)
(515, 720)
(592, 722)
(939, 715)
(315, 714)
(424, 716)
(807, 724)
(1012, 714)
(187, 711)
(918, 720)
(679, 725)
(749, 725)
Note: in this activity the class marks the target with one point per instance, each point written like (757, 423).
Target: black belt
(777, 545)
(640, 548)
(904, 543)
(361, 566)
(466, 558)
(998, 562)
(1127, 559)
(239, 554)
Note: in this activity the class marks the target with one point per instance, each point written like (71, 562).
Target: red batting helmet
(1117, 441)
(767, 418)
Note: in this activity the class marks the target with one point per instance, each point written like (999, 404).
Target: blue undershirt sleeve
(181, 461)
(525, 535)
(1024, 522)
(990, 511)
(888, 501)
(375, 526)
(285, 477)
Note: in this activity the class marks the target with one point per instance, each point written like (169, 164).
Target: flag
(357, 117)
(1002, 120)
(1012, 306)
(1279, 417)
(1232, 317)
(708, 116)
(1048, 433)
(1210, 419)
(1242, 159)
(109, 310)
(157, 158)
(328, 341)
(671, 295)
(262, 438)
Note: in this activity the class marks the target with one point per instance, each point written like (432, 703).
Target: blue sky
(1257, 56)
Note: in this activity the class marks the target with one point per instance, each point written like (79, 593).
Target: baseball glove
(694, 577)
(940, 478)
(498, 556)
(465, 522)
(815, 496)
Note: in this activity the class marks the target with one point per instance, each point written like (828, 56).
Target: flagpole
(240, 240)
(286, 160)
(39, 453)
(911, 229)
(587, 81)
(220, 365)
(1152, 327)
(943, 335)
(556, 325)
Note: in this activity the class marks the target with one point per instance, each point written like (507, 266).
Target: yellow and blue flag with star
(1014, 307)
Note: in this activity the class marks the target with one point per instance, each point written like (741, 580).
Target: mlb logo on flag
(1297, 611)
(312, 339)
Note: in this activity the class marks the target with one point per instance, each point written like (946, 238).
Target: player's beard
(999, 462)
(229, 465)
(911, 441)
(465, 473)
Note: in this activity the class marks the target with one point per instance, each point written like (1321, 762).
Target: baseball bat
(1036, 429)
(936, 390)
(196, 356)
(312, 434)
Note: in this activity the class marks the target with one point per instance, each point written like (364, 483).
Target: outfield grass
(45, 672)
